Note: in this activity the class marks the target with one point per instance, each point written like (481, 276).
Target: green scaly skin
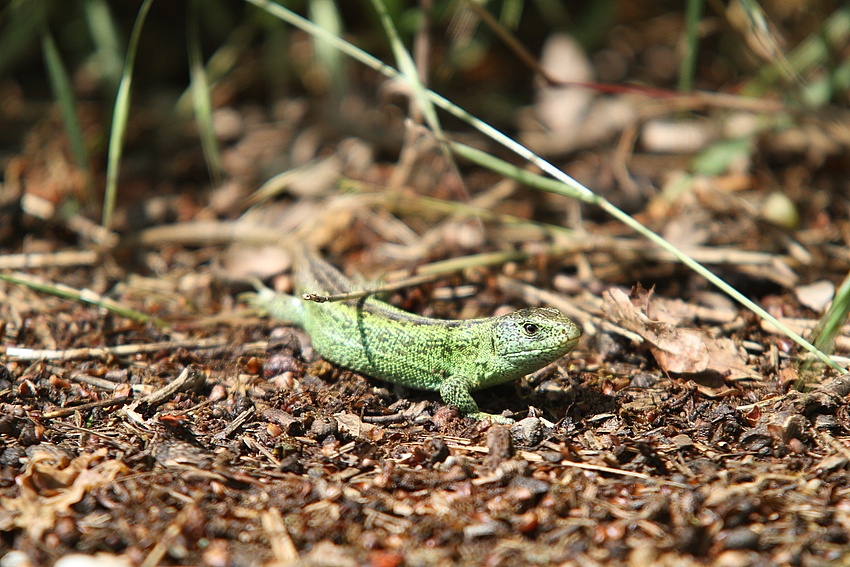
(453, 357)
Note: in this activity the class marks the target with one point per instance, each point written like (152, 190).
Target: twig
(189, 379)
(24, 354)
(281, 543)
(84, 407)
(235, 424)
(49, 260)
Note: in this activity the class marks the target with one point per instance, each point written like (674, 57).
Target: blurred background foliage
(71, 55)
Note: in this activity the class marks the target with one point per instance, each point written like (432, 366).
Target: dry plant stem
(534, 457)
(49, 260)
(284, 549)
(108, 439)
(414, 145)
(621, 472)
(251, 443)
(23, 354)
(93, 381)
(453, 265)
(205, 233)
(83, 378)
(188, 380)
(85, 407)
(158, 552)
(395, 286)
(234, 425)
(622, 154)
(43, 209)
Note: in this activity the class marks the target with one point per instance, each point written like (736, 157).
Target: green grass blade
(835, 317)
(811, 53)
(60, 84)
(326, 14)
(24, 20)
(221, 63)
(81, 296)
(120, 115)
(201, 98)
(511, 13)
(408, 70)
(105, 35)
(687, 68)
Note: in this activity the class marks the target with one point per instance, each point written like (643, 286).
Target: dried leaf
(676, 350)
(726, 358)
(352, 424)
(679, 350)
(37, 513)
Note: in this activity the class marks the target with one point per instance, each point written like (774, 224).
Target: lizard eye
(530, 329)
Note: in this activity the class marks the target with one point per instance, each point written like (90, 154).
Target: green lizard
(454, 357)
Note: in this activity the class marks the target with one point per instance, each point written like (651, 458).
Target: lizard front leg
(455, 390)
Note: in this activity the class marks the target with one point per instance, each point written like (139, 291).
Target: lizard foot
(259, 299)
(481, 416)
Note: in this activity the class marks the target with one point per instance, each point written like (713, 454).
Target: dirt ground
(150, 417)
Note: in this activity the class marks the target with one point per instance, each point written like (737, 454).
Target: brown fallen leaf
(36, 510)
(676, 350)
(352, 424)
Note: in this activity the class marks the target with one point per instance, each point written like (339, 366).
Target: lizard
(452, 357)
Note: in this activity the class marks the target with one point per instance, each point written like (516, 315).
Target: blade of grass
(809, 54)
(119, 117)
(325, 13)
(201, 99)
(687, 68)
(511, 13)
(108, 52)
(829, 327)
(82, 296)
(830, 324)
(220, 63)
(408, 70)
(24, 20)
(60, 84)
(570, 187)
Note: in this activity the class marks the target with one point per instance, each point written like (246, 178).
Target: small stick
(64, 412)
(426, 274)
(395, 286)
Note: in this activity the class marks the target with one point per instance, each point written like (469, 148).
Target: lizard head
(529, 339)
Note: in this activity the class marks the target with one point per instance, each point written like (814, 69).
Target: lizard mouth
(551, 353)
